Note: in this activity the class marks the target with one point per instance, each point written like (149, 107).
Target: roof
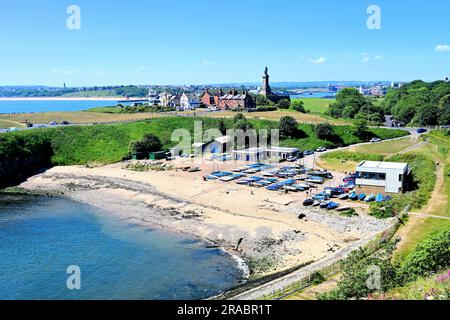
(223, 140)
(281, 149)
(198, 144)
(382, 165)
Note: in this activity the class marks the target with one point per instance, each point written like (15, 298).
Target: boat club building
(257, 154)
(382, 177)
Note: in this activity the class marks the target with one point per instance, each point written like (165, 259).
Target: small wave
(241, 265)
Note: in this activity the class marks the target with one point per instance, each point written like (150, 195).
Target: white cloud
(442, 48)
(365, 59)
(143, 67)
(321, 60)
(378, 57)
(207, 63)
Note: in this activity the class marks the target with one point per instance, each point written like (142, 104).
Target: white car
(12, 129)
(375, 140)
(321, 149)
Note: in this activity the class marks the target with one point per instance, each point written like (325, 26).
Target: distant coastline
(62, 99)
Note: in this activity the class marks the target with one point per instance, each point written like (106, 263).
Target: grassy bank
(316, 105)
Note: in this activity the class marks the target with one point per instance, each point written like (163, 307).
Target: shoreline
(275, 239)
(63, 99)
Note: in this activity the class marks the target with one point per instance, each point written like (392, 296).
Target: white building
(153, 98)
(189, 101)
(170, 100)
(256, 154)
(382, 177)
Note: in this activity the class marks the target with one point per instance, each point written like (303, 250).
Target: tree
(262, 101)
(238, 117)
(243, 125)
(406, 108)
(324, 131)
(284, 104)
(222, 127)
(360, 127)
(150, 143)
(348, 103)
(444, 110)
(288, 127)
(298, 105)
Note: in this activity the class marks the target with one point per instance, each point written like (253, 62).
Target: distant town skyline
(174, 42)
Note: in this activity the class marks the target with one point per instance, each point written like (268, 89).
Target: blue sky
(221, 41)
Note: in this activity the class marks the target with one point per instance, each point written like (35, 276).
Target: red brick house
(209, 99)
(231, 101)
(235, 100)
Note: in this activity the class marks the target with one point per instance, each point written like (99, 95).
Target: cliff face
(20, 158)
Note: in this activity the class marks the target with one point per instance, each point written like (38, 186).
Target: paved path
(424, 215)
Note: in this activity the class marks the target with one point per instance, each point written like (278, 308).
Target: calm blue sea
(330, 95)
(40, 237)
(28, 106)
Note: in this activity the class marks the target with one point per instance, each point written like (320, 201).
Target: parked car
(308, 153)
(422, 130)
(65, 123)
(13, 129)
(53, 123)
(321, 149)
(335, 191)
(291, 159)
(375, 140)
(29, 125)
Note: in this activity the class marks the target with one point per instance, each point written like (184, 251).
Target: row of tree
(420, 103)
(351, 104)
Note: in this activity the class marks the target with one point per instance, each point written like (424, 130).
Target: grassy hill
(109, 143)
(316, 105)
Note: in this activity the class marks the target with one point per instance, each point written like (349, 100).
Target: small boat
(322, 174)
(194, 169)
(212, 177)
(289, 188)
(379, 198)
(316, 203)
(353, 196)
(303, 185)
(308, 202)
(332, 205)
(273, 187)
(324, 204)
(361, 197)
(299, 187)
(344, 196)
(314, 180)
(268, 174)
(342, 209)
(243, 182)
(370, 198)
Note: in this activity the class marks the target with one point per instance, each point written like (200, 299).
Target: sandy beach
(274, 238)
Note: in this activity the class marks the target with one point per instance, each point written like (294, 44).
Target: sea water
(41, 237)
(29, 106)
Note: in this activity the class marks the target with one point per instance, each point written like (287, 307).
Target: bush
(324, 131)
(430, 256)
(266, 109)
(150, 143)
(299, 106)
(284, 104)
(288, 127)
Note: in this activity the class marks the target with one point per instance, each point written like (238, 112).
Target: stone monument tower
(265, 90)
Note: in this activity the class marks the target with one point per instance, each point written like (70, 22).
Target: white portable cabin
(389, 177)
